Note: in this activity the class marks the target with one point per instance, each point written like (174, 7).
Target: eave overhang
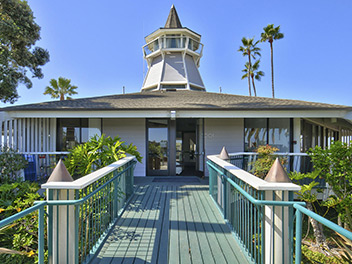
(181, 113)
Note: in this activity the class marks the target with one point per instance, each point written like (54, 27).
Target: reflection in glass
(74, 131)
(157, 144)
(263, 131)
(279, 134)
(255, 133)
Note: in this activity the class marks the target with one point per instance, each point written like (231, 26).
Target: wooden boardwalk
(170, 223)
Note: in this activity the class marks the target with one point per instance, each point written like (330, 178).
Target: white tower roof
(173, 54)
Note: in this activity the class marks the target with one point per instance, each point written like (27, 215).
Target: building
(174, 122)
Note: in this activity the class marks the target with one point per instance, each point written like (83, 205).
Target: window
(279, 133)
(74, 131)
(315, 135)
(263, 131)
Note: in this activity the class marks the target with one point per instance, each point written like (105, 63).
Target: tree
(59, 88)
(251, 50)
(254, 73)
(270, 34)
(334, 165)
(18, 34)
(309, 195)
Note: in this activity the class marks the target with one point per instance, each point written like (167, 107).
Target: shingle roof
(172, 20)
(176, 100)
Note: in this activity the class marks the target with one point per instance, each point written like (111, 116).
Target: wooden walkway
(171, 223)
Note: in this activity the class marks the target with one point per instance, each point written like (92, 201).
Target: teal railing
(80, 213)
(243, 202)
(40, 207)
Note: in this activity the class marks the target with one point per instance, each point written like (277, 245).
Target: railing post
(298, 236)
(63, 236)
(277, 221)
(277, 238)
(41, 235)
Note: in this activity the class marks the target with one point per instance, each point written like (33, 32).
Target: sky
(98, 45)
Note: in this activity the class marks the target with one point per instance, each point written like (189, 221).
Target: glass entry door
(158, 147)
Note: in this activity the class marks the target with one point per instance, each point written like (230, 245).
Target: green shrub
(10, 164)
(309, 256)
(19, 239)
(265, 160)
(334, 165)
(97, 153)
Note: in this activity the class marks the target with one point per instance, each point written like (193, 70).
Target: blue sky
(97, 44)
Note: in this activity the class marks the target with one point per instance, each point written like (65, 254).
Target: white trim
(88, 179)
(15, 135)
(10, 134)
(252, 180)
(181, 113)
(5, 133)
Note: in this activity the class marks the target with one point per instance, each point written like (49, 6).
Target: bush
(97, 153)
(265, 160)
(334, 165)
(20, 238)
(10, 164)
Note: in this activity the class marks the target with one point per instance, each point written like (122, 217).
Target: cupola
(173, 54)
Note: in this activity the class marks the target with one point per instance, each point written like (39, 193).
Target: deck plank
(231, 250)
(171, 223)
(174, 252)
(205, 247)
(108, 250)
(194, 249)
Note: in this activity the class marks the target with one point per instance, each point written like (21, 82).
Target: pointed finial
(277, 173)
(224, 154)
(60, 174)
(172, 20)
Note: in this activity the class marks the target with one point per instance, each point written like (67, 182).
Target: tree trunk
(62, 97)
(272, 68)
(248, 72)
(255, 91)
(317, 229)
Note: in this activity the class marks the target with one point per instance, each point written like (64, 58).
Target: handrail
(12, 218)
(85, 198)
(225, 167)
(255, 182)
(250, 198)
(320, 219)
(40, 207)
(324, 221)
(90, 178)
(276, 153)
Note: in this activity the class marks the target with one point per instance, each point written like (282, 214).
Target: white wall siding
(130, 131)
(226, 132)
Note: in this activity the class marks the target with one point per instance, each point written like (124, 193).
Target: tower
(173, 54)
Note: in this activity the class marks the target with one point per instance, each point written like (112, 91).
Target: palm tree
(59, 88)
(251, 50)
(270, 34)
(253, 73)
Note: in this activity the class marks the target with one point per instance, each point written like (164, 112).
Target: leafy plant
(345, 246)
(309, 196)
(97, 153)
(334, 165)
(19, 240)
(10, 165)
(310, 256)
(265, 160)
